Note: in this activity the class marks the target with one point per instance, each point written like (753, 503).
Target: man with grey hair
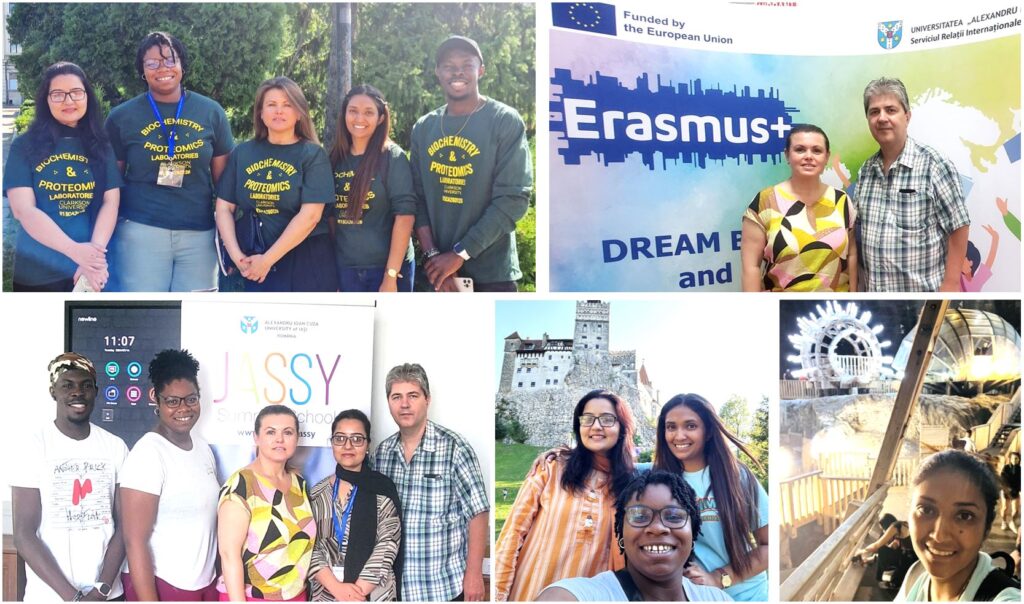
(912, 216)
(444, 502)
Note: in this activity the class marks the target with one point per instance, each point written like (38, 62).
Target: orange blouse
(553, 534)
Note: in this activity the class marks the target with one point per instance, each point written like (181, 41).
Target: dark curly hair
(172, 364)
(682, 492)
(161, 39)
(976, 471)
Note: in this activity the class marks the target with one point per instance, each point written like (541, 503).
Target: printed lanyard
(339, 529)
(160, 120)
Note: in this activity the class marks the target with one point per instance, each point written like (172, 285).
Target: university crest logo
(890, 33)
(249, 324)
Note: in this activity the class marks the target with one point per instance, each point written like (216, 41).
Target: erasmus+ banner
(667, 118)
(316, 360)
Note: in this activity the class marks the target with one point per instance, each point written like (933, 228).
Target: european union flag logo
(584, 16)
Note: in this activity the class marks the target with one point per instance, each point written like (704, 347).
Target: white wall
(451, 336)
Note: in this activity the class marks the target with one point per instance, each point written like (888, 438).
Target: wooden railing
(816, 498)
(800, 498)
(794, 389)
(821, 576)
(860, 465)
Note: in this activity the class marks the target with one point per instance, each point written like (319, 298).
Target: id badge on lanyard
(339, 527)
(170, 172)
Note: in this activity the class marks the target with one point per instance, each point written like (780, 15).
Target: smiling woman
(560, 525)
(656, 525)
(951, 512)
(169, 493)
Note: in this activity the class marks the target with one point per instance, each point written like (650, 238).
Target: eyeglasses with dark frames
(641, 516)
(607, 420)
(173, 402)
(59, 96)
(339, 440)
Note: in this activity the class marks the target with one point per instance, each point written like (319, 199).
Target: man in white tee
(65, 489)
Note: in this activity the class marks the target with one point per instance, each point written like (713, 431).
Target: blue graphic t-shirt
(710, 546)
(66, 189)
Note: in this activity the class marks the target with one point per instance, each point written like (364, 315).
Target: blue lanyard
(339, 529)
(160, 120)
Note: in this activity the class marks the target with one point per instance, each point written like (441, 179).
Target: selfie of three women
(609, 491)
(899, 471)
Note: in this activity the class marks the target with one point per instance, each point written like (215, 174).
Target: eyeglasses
(58, 96)
(607, 420)
(173, 402)
(154, 64)
(357, 440)
(640, 516)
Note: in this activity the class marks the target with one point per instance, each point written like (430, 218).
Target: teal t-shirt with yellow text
(366, 243)
(68, 190)
(202, 133)
(275, 180)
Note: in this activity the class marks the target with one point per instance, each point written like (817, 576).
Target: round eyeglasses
(339, 440)
(640, 516)
(607, 420)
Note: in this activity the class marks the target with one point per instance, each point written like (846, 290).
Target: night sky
(898, 317)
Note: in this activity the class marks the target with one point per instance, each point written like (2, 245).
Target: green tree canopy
(226, 60)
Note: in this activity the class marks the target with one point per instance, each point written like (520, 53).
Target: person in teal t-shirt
(471, 168)
(375, 204)
(63, 186)
(282, 178)
(172, 145)
(692, 440)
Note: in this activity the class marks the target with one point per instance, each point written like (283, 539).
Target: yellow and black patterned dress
(807, 246)
(279, 545)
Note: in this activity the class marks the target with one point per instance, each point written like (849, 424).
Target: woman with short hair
(169, 493)
(798, 235)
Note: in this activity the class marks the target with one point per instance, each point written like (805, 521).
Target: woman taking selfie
(561, 522)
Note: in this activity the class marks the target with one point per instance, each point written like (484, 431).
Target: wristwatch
(103, 589)
(432, 252)
(461, 251)
(726, 579)
(393, 273)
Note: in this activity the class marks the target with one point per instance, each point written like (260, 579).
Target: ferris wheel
(839, 347)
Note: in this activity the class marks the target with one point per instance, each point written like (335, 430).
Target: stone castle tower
(543, 379)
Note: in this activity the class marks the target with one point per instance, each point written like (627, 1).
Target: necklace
(465, 123)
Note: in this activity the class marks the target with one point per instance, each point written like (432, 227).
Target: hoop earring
(156, 411)
(622, 546)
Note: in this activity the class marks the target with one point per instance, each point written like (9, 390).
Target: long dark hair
(581, 460)
(44, 130)
(735, 497)
(376, 149)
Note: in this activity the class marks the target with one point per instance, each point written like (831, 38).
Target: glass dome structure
(973, 346)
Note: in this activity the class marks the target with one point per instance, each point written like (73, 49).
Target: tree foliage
(735, 416)
(758, 441)
(227, 60)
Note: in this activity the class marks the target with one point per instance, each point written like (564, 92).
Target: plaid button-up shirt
(906, 218)
(442, 488)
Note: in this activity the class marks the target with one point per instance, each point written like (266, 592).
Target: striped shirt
(441, 489)
(553, 534)
(327, 552)
(906, 218)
